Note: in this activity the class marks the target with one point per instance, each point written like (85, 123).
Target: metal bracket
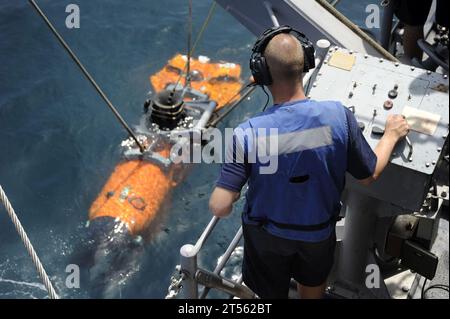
(211, 280)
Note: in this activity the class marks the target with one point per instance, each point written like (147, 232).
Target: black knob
(393, 94)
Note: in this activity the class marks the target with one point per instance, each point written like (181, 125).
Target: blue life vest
(301, 200)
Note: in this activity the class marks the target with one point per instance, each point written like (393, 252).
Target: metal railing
(192, 276)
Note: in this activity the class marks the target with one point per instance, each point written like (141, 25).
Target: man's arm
(233, 176)
(396, 129)
(221, 201)
(366, 164)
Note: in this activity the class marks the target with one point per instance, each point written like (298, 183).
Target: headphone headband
(258, 65)
(268, 35)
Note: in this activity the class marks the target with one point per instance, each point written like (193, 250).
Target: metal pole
(357, 30)
(386, 24)
(188, 261)
(87, 74)
(230, 108)
(360, 218)
(204, 236)
(212, 280)
(229, 251)
(322, 47)
(189, 269)
(271, 14)
(206, 116)
(225, 257)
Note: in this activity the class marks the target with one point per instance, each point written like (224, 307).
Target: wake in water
(11, 288)
(108, 258)
(21, 289)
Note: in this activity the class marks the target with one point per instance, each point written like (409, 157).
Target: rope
(357, 30)
(199, 35)
(26, 241)
(189, 42)
(205, 24)
(86, 73)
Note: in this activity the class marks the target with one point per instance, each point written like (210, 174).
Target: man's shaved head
(285, 58)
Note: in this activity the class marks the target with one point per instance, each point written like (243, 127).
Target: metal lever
(380, 131)
(411, 149)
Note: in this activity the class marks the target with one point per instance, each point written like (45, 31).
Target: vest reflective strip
(295, 141)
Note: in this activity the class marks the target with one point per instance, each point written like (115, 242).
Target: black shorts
(270, 262)
(415, 13)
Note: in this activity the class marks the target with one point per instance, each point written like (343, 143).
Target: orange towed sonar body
(133, 193)
(137, 189)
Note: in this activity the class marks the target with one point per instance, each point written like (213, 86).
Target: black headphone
(258, 64)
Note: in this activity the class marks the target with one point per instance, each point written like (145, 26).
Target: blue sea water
(59, 143)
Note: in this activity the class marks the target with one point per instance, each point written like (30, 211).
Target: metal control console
(373, 88)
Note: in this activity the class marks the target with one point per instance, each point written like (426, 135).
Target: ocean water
(59, 143)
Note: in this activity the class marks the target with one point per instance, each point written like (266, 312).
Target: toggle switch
(362, 126)
(376, 130)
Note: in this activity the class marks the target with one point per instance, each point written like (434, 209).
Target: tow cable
(87, 74)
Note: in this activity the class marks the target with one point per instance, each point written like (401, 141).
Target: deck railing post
(189, 268)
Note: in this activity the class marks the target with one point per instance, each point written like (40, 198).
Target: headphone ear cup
(260, 70)
(254, 68)
(265, 73)
(310, 61)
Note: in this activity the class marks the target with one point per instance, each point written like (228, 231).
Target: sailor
(414, 14)
(289, 215)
